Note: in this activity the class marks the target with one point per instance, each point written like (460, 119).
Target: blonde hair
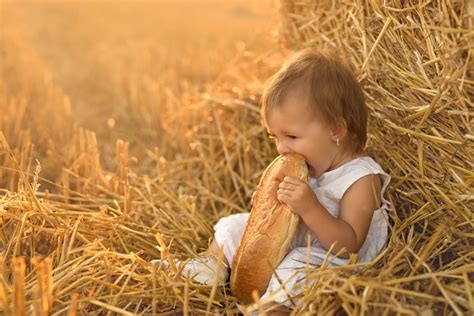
(332, 89)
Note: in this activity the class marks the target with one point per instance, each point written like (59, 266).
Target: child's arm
(355, 214)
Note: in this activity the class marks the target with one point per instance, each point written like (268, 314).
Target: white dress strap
(332, 185)
(357, 169)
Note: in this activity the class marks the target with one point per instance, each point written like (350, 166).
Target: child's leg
(289, 280)
(213, 251)
(204, 267)
(228, 232)
(219, 255)
(276, 309)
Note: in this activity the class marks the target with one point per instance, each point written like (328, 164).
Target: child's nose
(283, 148)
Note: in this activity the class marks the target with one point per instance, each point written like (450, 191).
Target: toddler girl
(315, 107)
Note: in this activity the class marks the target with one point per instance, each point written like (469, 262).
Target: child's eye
(291, 136)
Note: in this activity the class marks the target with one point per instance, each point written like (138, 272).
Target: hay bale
(415, 61)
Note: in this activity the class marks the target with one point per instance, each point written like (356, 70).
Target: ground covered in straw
(76, 237)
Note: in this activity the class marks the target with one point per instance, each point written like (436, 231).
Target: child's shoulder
(341, 178)
(358, 165)
(363, 163)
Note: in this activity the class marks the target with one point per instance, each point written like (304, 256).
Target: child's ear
(339, 130)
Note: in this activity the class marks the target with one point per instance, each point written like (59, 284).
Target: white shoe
(164, 264)
(201, 269)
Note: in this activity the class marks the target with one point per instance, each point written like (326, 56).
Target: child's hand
(297, 195)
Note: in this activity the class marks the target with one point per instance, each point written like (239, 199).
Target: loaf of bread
(269, 232)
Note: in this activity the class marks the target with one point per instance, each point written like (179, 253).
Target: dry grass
(124, 65)
(416, 63)
(77, 236)
(78, 228)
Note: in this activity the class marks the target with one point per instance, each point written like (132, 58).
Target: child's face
(297, 129)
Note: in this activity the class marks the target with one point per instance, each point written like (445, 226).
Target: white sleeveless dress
(329, 189)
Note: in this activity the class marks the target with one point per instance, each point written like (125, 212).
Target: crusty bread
(269, 231)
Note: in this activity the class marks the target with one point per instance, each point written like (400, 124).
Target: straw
(77, 234)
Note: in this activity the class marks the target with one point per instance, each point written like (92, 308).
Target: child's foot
(201, 269)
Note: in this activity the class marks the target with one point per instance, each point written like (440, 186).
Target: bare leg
(214, 250)
(278, 310)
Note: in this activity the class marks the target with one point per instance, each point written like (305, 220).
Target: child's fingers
(291, 183)
(286, 199)
(292, 180)
(282, 197)
(285, 195)
(284, 191)
(286, 186)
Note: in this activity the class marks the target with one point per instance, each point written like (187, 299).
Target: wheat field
(128, 128)
(120, 64)
(102, 111)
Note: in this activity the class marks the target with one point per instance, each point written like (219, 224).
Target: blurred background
(120, 64)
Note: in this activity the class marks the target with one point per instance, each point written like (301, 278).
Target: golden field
(128, 128)
(121, 64)
(107, 109)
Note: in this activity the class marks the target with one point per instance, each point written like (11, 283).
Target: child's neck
(339, 161)
(343, 159)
